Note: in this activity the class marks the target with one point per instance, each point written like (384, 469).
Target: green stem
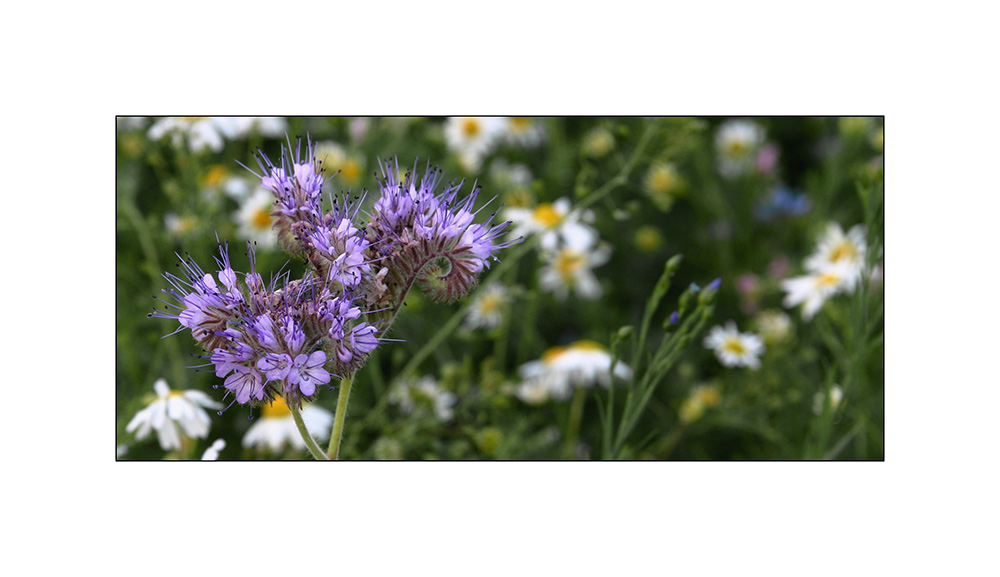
(573, 428)
(670, 442)
(146, 242)
(333, 452)
(310, 442)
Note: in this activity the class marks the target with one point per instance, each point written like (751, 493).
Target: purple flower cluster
(428, 237)
(266, 340)
(290, 336)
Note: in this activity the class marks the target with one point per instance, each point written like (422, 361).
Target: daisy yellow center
(734, 345)
(662, 180)
(844, 251)
(216, 174)
(193, 118)
(350, 170)
(278, 409)
(261, 218)
(546, 214)
(489, 304)
(186, 224)
(648, 239)
(827, 279)
(588, 346)
(708, 396)
(552, 354)
(175, 394)
(568, 263)
(519, 124)
(736, 148)
(470, 127)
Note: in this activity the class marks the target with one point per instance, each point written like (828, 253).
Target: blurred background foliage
(176, 197)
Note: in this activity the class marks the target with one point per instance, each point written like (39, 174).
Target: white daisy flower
(336, 159)
(409, 394)
(268, 126)
(212, 452)
(570, 269)
(835, 248)
(733, 348)
(581, 364)
(129, 123)
(534, 391)
(201, 132)
(472, 138)
(171, 413)
(812, 290)
(276, 429)
(774, 326)
(486, 309)
(598, 142)
(736, 143)
(254, 219)
(180, 225)
(238, 188)
(508, 176)
(523, 131)
(557, 222)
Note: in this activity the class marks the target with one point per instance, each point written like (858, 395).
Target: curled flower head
(429, 237)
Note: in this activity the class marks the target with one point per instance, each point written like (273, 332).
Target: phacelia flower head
(429, 237)
(296, 183)
(287, 337)
(338, 246)
(284, 338)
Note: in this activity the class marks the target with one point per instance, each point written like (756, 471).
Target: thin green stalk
(135, 218)
(573, 427)
(333, 452)
(317, 453)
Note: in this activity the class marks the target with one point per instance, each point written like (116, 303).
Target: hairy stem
(333, 453)
(310, 442)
